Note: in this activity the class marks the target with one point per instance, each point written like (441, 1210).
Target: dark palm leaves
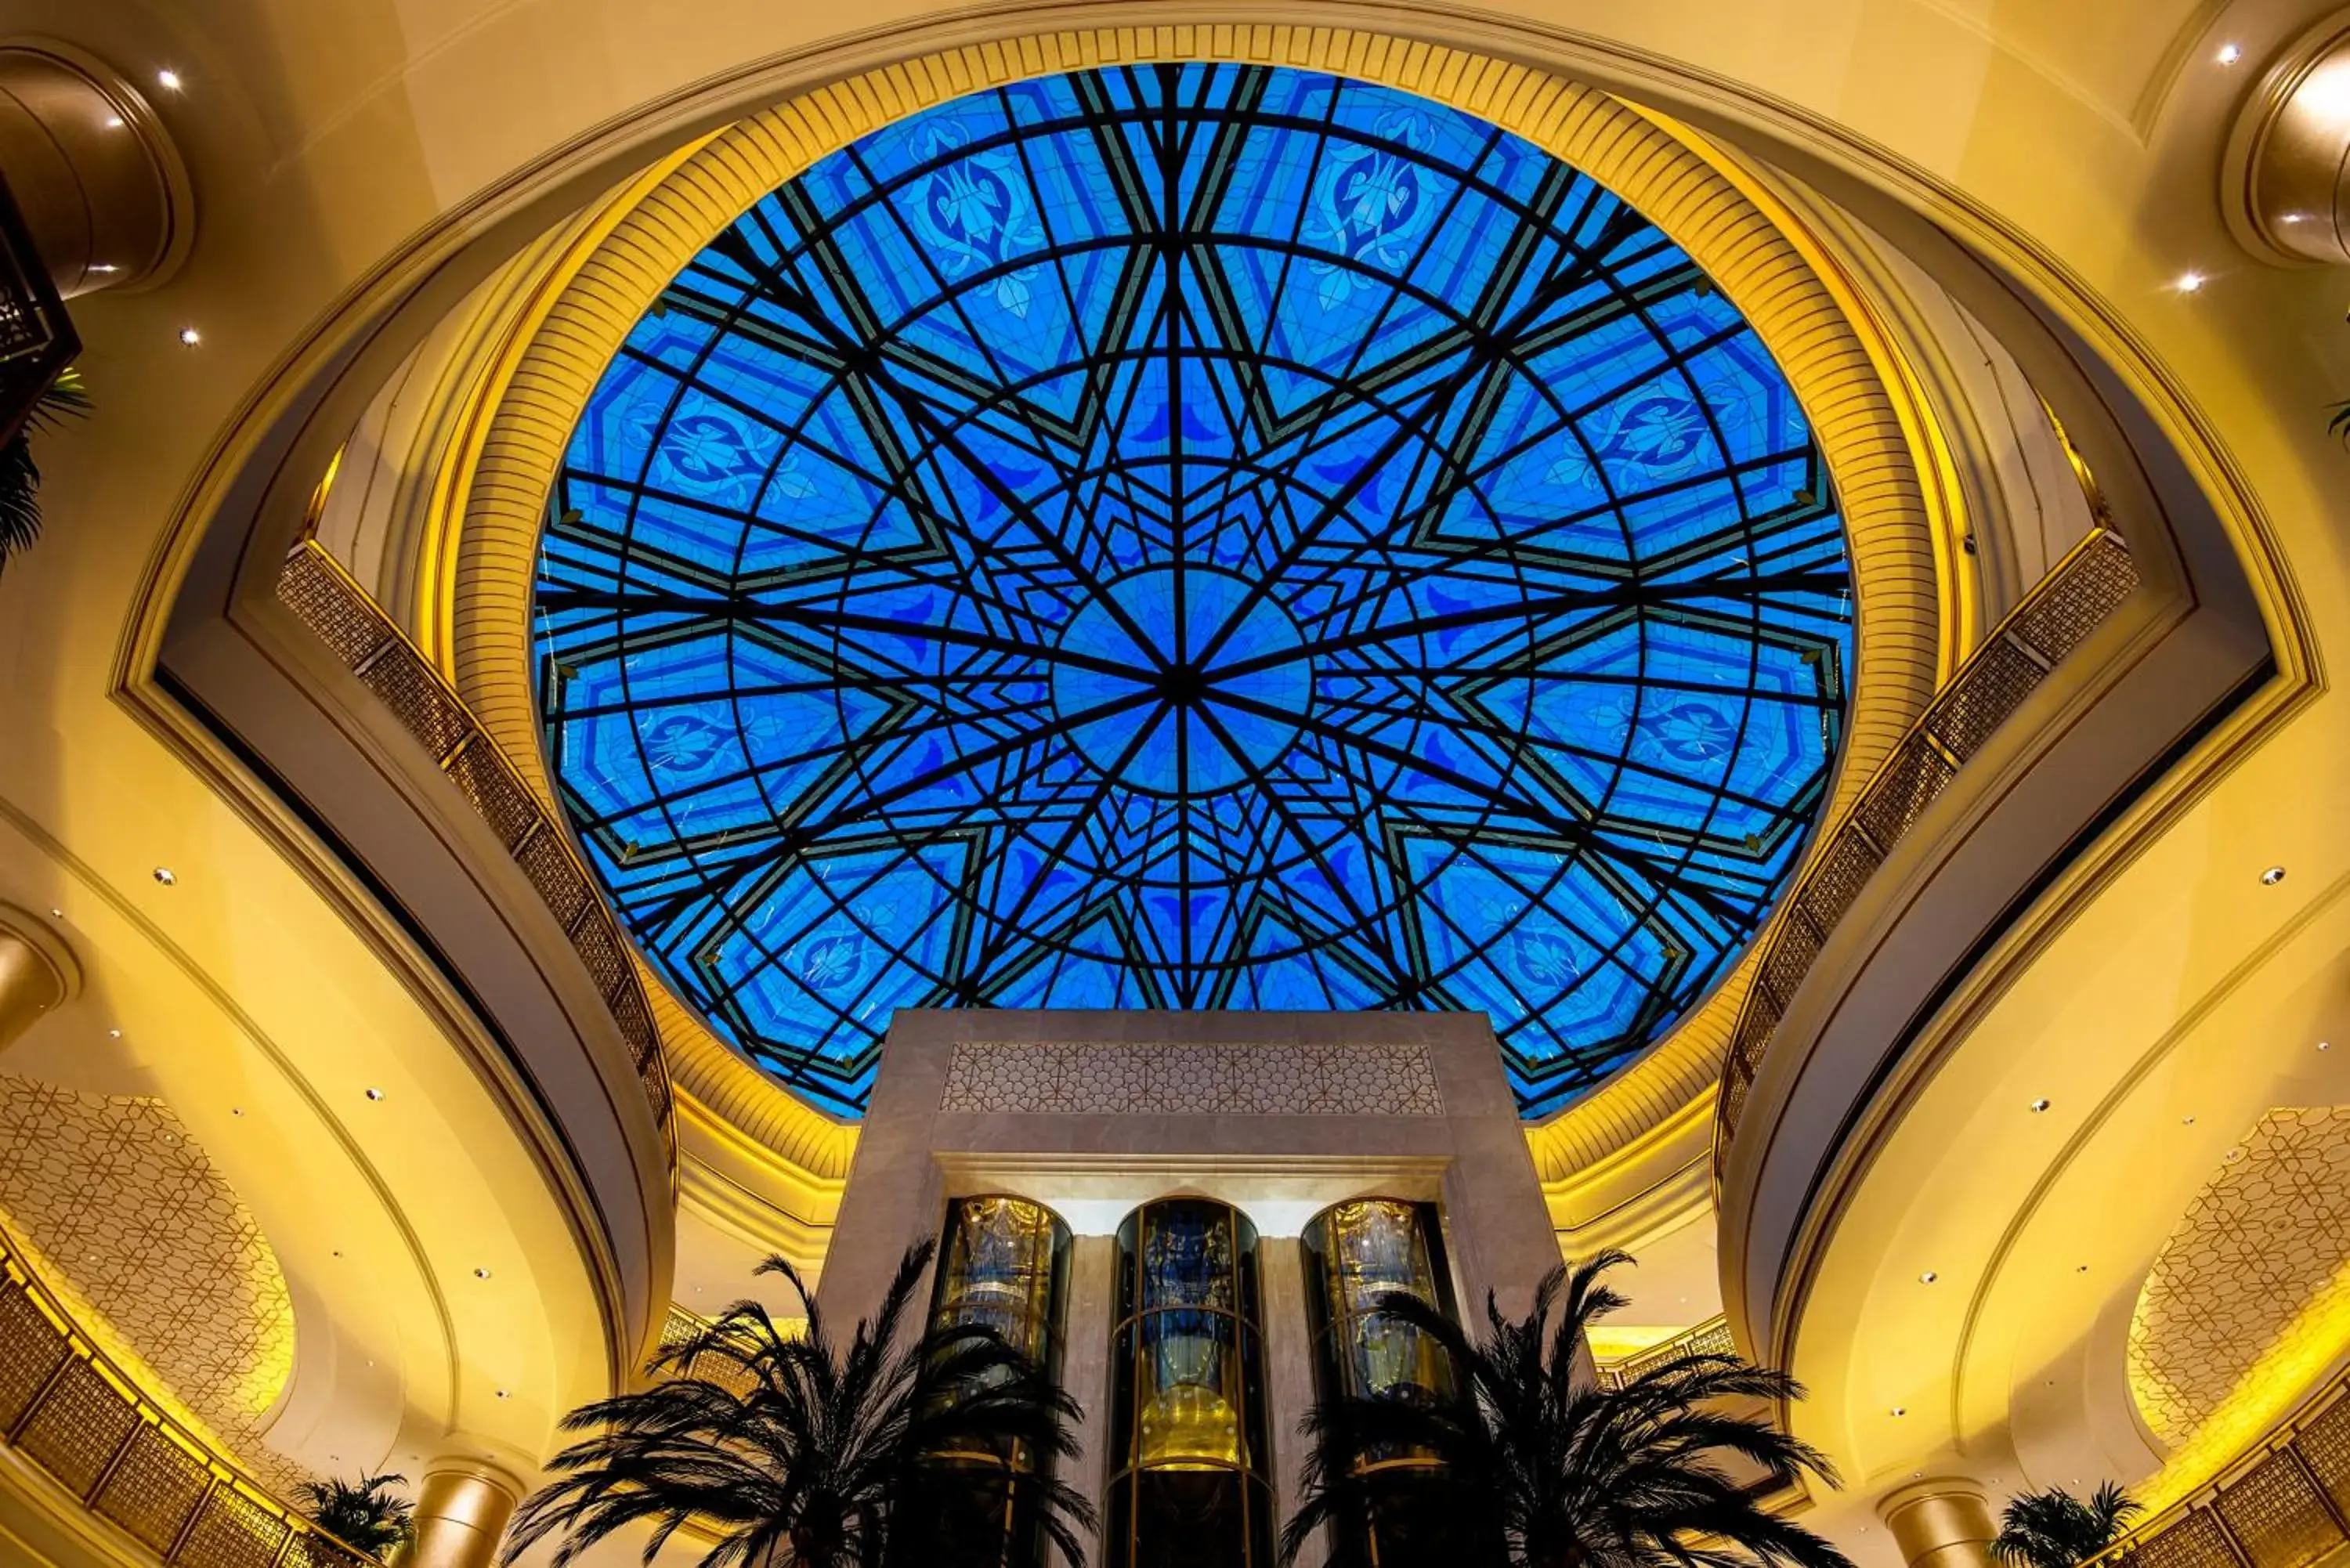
(2053, 1528)
(20, 479)
(366, 1516)
(798, 1453)
(1542, 1466)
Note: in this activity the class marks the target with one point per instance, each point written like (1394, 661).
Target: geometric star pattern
(136, 1224)
(1192, 536)
(2263, 1251)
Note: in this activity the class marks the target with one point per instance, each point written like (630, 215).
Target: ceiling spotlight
(480, 1273)
(1901, 1409)
(2190, 281)
(168, 80)
(236, 1110)
(164, 875)
(114, 1034)
(1928, 1277)
(2228, 54)
(2082, 1270)
(2321, 1045)
(190, 337)
(2039, 1105)
(2187, 1120)
(60, 914)
(375, 1093)
(2272, 875)
(505, 1393)
(113, 122)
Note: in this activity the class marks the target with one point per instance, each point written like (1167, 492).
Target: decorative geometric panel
(2265, 1242)
(78, 1427)
(1192, 536)
(132, 1219)
(2276, 1516)
(154, 1488)
(232, 1532)
(1192, 1080)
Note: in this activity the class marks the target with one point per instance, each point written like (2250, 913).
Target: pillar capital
(1943, 1521)
(38, 972)
(462, 1511)
(93, 171)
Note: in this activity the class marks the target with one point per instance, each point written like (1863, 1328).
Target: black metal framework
(36, 337)
(1193, 537)
(1004, 1266)
(1190, 1460)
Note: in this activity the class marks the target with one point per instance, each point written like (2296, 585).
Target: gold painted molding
(1809, 318)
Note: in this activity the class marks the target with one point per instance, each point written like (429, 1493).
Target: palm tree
(1536, 1466)
(2053, 1528)
(364, 1515)
(20, 479)
(799, 1454)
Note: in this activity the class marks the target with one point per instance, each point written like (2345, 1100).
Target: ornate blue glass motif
(1192, 537)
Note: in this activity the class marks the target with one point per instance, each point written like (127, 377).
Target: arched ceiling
(1193, 536)
(2074, 143)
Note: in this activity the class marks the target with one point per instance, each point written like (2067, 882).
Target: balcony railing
(2286, 1505)
(73, 1413)
(2052, 620)
(313, 586)
(1709, 1338)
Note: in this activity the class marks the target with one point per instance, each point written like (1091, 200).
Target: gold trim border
(1690, 192)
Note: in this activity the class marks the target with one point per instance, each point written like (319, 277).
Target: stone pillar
(1940, 1523)
(37, 971)
(461, 1514)
(93, 171)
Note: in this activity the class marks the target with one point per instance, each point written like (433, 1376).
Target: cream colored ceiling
(324, 134)
(2264, 1246)
(133, 1219)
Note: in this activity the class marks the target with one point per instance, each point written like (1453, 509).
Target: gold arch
(1783, 280)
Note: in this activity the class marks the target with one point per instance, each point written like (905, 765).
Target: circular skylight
(1192, 537)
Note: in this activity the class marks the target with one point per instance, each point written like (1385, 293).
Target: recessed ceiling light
(505, 1393)
(2187, 1121)
(190, 337)
(1901, 1409)
(2296, 217)
(236, 1110)
(375, 1093)
(105, 267)
(114, 1034)
(113, 122)
(2190, 281)
(168, 80)
(1928, 1277)
(480, 1273)
(2228, 54)
(2039, 1105)
(2272, 875)
(60, 914)
(2325, 1044)
(2082, 1270)
(165, 875)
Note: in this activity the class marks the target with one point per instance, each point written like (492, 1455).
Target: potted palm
(1536, 1464)
(2053, 1528)
(795, 1451)
(363, 1513)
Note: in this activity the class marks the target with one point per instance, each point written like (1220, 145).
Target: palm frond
(2053, 1528)
(362, 1514)
(20, 477)
(803, 1452)
(1537, 1464)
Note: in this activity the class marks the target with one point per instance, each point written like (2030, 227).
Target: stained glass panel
(1192, 536)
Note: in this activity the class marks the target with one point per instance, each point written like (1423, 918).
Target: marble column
(93, 171)
(37, 971)
(461, 1514)
(1940, 1523)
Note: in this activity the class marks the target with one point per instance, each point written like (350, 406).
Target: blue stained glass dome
(1192, 537)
